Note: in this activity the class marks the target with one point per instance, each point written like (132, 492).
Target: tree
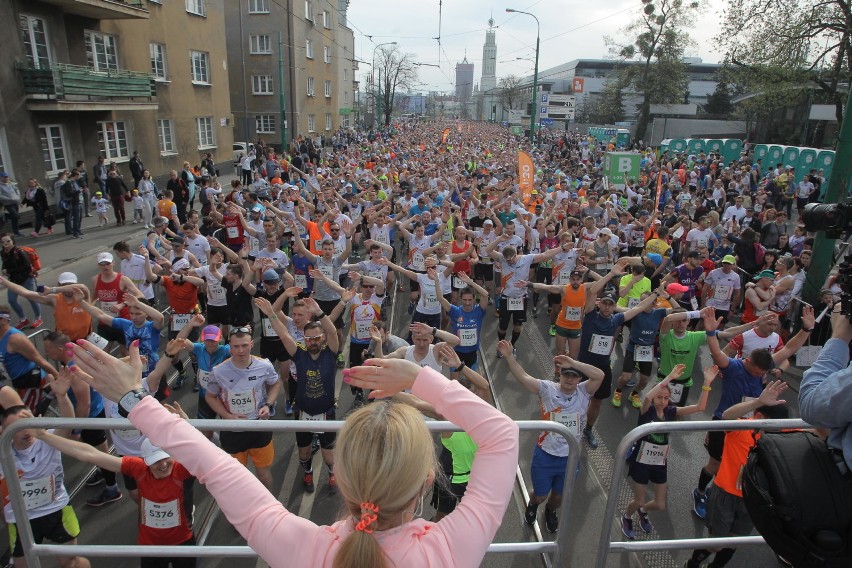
(610, 105)
(783, 47)
(510, 92)
(719, 101)
(396, 71)
(659, 42)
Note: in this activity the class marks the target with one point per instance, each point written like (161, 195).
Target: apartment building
(89, 78)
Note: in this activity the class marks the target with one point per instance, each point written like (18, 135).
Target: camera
(833, 218)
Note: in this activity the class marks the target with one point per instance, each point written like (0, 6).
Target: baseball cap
(675, 288)
(576, 272)
(178, 241)
(257, 209)
(104, 257)
(764, 274)
(67, 278)
(4, 174)
(151, 453)
(606, 232)
(693, 254)
(608, 297)
(655, 258)
(570, 371)
(180, 264)
(211, 333)
(269, 275)
(488, 222)
(729, 259)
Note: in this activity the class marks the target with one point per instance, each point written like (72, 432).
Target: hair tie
(368, 516)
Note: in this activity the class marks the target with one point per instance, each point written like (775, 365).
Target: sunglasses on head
(236, 330)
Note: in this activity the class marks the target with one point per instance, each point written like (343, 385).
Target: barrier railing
(606, 546)
(34, 552)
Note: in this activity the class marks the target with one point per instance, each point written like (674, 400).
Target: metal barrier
(627, 442)
(33, 552)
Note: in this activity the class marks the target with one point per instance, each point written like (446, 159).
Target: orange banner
(526, 175)
(659, 189)
(445, 136)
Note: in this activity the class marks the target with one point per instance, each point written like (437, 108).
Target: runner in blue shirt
(466, 319)
(207, 353)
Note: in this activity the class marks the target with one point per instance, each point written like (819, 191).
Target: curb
(81, 256)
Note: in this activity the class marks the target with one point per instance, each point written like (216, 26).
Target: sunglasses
(368, 286)
(314, 337)
(237, 330)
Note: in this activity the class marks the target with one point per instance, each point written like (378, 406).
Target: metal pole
(281, 110)
(535, 83)
(838, 189)
(245, 88)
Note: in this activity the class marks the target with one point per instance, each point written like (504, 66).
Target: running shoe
(551, 520)
(288, 408)
(530, 514)
(340, 362)
(95, 479)
(23, 324)
(699, 503)
(359, 399)
(635, 400)
(308, 481)
(535, 311)
(591, 439)
(37, 323)
(332, 484)
(552, 331)
(616, 399)
(645, 523)
(627, 528)
(106, 496)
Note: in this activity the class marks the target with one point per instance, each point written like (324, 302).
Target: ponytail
(360, 550)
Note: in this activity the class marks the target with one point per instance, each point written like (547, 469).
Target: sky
(570, 29)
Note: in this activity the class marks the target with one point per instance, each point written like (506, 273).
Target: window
(309, 48)
(309, 10)
(260, 44)
(258, 6)
(328, 121)
(204, 129)
(199, 62)
(312, 123)
(344, 121)
(35, 41)
(101, 51)
(261, 85)
(264, 123)
(112, 137)
(328, 88)
(158, 60)
(53, 148)
(345, 96)
(326, 54)
(5, 165)
(196, 7)
(311, 91)
(345, 74)
(326, 19)
(165, 133)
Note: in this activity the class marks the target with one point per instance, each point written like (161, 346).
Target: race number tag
(233, 233)
(563, 278)
(418, 262)
(312, 417)
(806, 355)
(203, 378)
(468, 337)
(676, 390)
(643, 353)
(694, 303)
(652, 454)
(600, 344)
(215, 291)
(722, 293)
(127, 435)
(570, 420)
(108, 307)
(268, 330)
(430, 301)
(97, 340)
(573, 314)
(515, 304)
(362, 329)
(318, 244)
(301, 280)
(458, 283)
(161, 515)
(179, 321)
(633, 302)
(37, 492)
(327, 271)
(242, 402)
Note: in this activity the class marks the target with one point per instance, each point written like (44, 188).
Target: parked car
(241, 148)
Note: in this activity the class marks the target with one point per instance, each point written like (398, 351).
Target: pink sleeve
(268, 527)
(470, 528)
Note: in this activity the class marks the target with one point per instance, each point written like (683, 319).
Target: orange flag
(526, 175)
(445, 135)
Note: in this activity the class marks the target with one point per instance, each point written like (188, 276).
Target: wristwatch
(129, 400)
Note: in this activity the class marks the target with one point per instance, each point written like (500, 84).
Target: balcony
(103, 9)
(74, 88)
(355, 85)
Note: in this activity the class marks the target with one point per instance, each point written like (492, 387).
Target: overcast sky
(570, 29)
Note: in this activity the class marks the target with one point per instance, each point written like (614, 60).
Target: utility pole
(281, 110)
(838, 190)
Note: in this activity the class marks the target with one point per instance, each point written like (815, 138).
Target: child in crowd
(100, 204)
(138, 204)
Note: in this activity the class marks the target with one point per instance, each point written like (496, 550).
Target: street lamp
(535, 73)
(379, 98)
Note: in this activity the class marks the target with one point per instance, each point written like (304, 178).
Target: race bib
(318, 244)
(633, 302)
(676, 391)
(652, 454)
(573, 314)
(301, 280)
(203, 378)
(179, 321)
(362, 329)
(327, 271)
(233, 233)
(600, 344)
(107, 306)
(570, 420)
(468, 337)
(458, 283)
(127, 435)
(161, 515)
(215, 291)
(722, 293)
(37, 492)
(382, 238)
(312, 418)
(806, 355)
(693, 302)
(268, 330)
(418, 262)
(515, 304)
(97, 340)
(430, 301)
(563, 278)
(643, 353)
(242, 402)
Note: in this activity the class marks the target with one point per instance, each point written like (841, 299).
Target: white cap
(67, 278)
(151, 453)
(606, 232)
(104, 257)
(488, 222)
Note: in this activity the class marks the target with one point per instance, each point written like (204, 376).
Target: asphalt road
(115, 523)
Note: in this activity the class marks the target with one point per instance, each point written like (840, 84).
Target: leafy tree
(719, 101)
(510, 92)
(396, 71)
(611, 102)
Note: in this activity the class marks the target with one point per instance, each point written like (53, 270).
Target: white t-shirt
(42, 480)
(428, 303)
(699, 237)
(723, 287)
(134, 268)
(242, 391)
(569, 410)
(514, 273)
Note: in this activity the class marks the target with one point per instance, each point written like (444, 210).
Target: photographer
(825, 395)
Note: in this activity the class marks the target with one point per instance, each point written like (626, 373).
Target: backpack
(202, 196)
(35, 261)
(759, 252)
(799, 500)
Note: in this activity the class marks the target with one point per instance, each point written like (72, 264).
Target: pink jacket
(459, 539)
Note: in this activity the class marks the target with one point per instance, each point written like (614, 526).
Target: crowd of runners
(287, 275)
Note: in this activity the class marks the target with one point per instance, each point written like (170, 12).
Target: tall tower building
(464, 79)
(489, 59)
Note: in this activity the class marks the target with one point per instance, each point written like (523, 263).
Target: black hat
(609, 297)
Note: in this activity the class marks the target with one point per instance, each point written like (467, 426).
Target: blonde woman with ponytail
(384, 463)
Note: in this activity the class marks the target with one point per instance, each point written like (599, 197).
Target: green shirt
(636, 292)
(680, 351)
(463, 449)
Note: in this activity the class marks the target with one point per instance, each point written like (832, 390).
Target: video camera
(833, 218)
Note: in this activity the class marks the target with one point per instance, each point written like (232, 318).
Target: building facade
(464, 80)
(109, 77)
